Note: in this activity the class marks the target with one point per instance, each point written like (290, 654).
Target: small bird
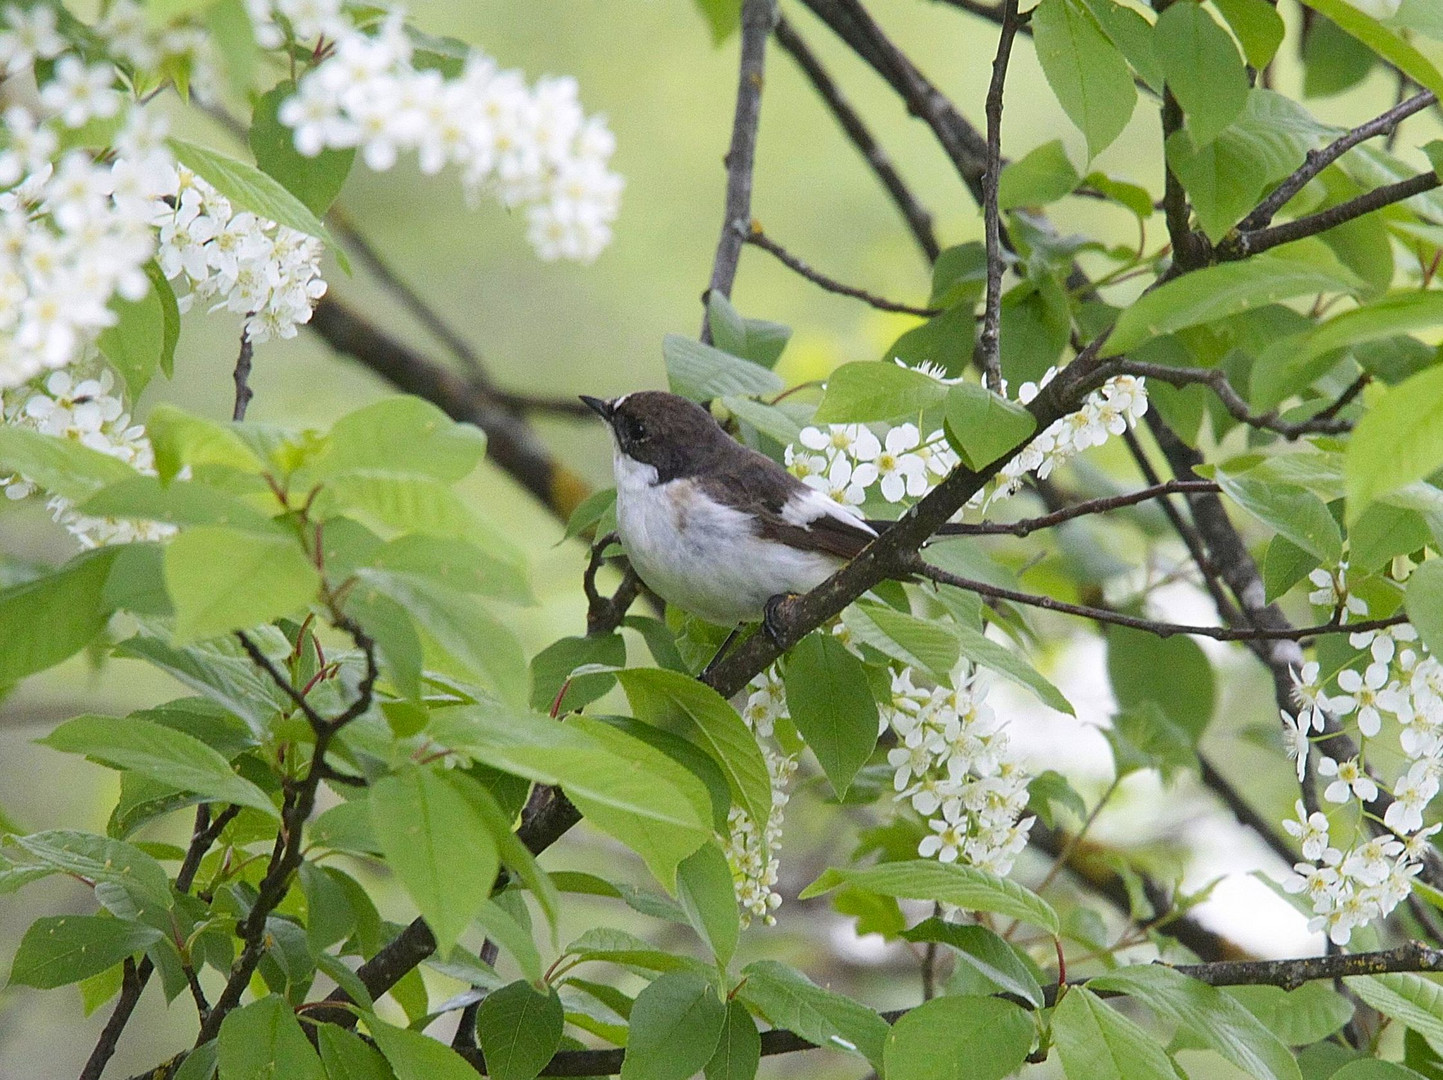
(711, 526)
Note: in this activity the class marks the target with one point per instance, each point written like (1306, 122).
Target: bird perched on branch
(712, 526)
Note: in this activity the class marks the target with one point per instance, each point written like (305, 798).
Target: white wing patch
(807, 506)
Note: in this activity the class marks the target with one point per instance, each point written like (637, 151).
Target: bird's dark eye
(633, 429)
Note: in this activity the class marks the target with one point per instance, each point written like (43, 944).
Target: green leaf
(1085, 70)
(1202, 69)
(980, 649)
(959, 1037)
(739, 1051)
(1297, 1017)
(161, 753)
(946, 340)
(788, 999)
(722, 17)
(222, 579)
(1219, 291)
(99, 858)
(623, 786)
(959, 276)
(868, 391)
(986, 953)
(401, 434)
(417, 1057)
(770, 420)
(1398, 440)
(250, 189)
(589, 512)
(1284, 565)
(180, 439)
(1133, 196)
(519, 1030)
(510, 927)
(424, 825)
(709, 898)
(346, 1054)
(1292, 511)
(264, 1041)
(315, 181)
(458, 565)
(51, 618)
(135, 343)
(831, 703)
(1392, 48)
(514, 854)
(219, 669)
(1172, 672)
(756, 340)
(61, 466)
(1225, 178)
(944, 883)
(1219, 1021)
(1373, 1069)
(1332, 60)
(1409, 999)
(460, 626)
(983, 426)
(1294, 362)
(1096, 1042)
(180, 502)
(1041, 176)
(551, 669)
(1258, 26)
(59, 950)
(1423, 601)
(915, 642)
(676, 1024)
(675, 701)
(701, 372)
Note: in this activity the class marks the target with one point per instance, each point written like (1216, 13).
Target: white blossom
(1351, 781)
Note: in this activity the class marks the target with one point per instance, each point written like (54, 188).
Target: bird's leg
(716, 660)
(772, 622)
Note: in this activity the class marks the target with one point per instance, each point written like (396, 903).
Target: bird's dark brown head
(676, 436)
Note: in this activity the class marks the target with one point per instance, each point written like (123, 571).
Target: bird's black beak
(601, 408)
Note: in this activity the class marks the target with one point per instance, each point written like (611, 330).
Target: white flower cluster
(532, 145)
(1331, 591)
(951, 764)
(1109, 410)
(159, 48)
(752, 850)
(1349, 887)
(73, 232)
(92, 414)
(844, 460)
(244, 263)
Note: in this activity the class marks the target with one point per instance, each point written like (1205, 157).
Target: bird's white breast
(702, 555)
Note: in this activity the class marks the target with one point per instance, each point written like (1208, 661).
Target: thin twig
(916, 565)
(918, 218)
(242, 377)
(1318, 160)
(757, 18)
(1027, 526)
(261, 660)
(1217, 381)
(989, 345)
(757, 238)
(1241, 244)
(1346, 397)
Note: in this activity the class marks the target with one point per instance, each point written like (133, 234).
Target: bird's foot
(773, 620)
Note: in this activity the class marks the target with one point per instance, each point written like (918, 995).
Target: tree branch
(1318, 160)
(918, 566)
(1027, 526)
(1217, 381)
(917, 217)
(757, 19)
(989, 345)
(757, 238)
(242, 377)
(1240, 245)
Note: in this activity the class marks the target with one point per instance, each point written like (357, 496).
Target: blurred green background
(561, 329)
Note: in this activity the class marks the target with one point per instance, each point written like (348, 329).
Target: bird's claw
(773, 621)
